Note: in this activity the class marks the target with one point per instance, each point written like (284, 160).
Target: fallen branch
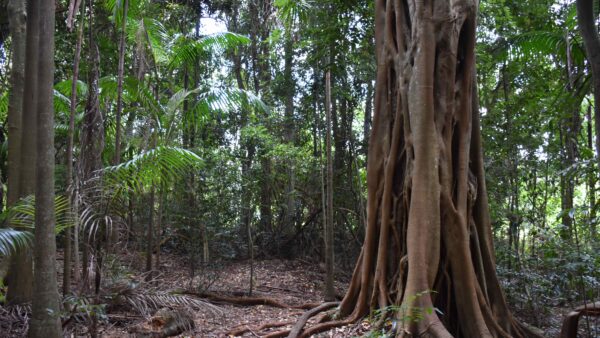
(240, 331)
(571, 321)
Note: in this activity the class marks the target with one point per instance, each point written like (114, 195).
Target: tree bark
(20, 278)
(45, 319)
(17, 23)
(591, 41)
(92, 136)
(120, 71)
(328, 235)
(68, 252)
(428, 240)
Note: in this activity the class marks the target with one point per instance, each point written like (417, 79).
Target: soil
(291, 282)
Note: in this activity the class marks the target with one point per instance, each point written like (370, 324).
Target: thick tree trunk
(17, 23)
(428, 241)
(591, 40)
(20, 278)
(45, 319)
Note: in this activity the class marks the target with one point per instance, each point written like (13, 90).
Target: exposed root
(569, 327)
(326, 326)
(295, 332)
(241, 330)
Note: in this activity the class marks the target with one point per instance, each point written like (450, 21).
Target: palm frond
(147, 303)
(187, 50)
(229, 99)
(160, 165)
(64, 87)
(545, 43)
(12, 241)
(23, 214)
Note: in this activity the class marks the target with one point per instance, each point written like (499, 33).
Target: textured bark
(121, 66)
(92, 136)
(428, 240)
(45, 318)
(68, 252)
(328, 231)
(17, 23)
(20, 278)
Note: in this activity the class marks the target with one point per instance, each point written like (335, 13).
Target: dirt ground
(292, 283)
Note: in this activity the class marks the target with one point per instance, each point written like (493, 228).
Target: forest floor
(289, 283)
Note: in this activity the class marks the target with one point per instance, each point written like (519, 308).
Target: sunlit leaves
(161, 165)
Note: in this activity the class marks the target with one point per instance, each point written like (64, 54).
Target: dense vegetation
(213, 131)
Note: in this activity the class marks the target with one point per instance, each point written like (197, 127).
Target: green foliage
(159, 166)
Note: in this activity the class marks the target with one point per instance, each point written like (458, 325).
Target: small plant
(388, 318)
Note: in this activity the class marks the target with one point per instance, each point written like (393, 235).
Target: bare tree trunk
(67, 269)
(290, 210)
(120, 71)
(20, 278)
(17, 22)
(428, 241)
(150, 236)
(45, 319)
(92, 138)
(328, 235)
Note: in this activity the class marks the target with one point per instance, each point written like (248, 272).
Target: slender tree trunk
(45, 319)
(328, 236)
(570, 132)
(20, 278)
(67, 269)
(591, 182)
(150, 236)
(290, 212)
(120, 71)
(92, 138)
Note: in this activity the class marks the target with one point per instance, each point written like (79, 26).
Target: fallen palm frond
(147, 303)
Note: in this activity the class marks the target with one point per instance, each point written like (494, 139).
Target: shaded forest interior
(283, 168)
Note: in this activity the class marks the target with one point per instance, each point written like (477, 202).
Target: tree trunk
(150, 236)
(328, 235)
(17, 22)
(45, 319)
(428, 240)
(69, 159)
(587, 25)
(20, 278)
(120, 71)
(290, 210)
(92, 137)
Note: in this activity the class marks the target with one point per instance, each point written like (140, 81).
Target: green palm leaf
(12, 241)
(187, 51)
(161, 165)
(23, 214)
